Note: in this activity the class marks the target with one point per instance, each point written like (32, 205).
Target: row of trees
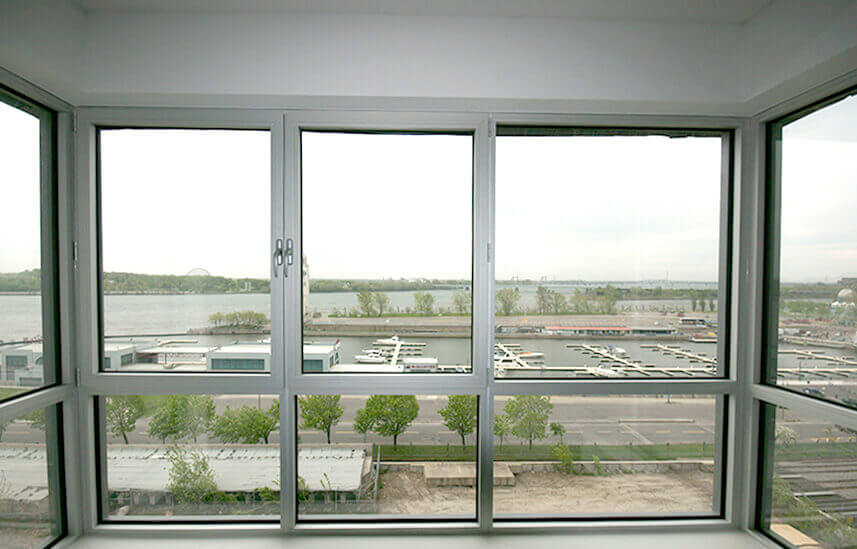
(552, 302)
(236, 319)
(187, 417)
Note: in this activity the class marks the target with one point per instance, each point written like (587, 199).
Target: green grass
(514, 452)
(8, 392)
(811, 450)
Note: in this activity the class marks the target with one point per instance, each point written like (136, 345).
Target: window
(613, 455)
(807, 481)
(610, 253)
(386, 456)
(185, 236)
(192, 457)
(31, 509)
(812, 263)
(27, 262)
(387, 245)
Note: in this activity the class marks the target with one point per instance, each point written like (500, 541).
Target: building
(240, 356)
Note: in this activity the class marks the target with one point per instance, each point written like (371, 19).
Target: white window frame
(286, 380)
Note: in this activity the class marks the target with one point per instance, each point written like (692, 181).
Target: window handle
(278, 256)
(290, 254)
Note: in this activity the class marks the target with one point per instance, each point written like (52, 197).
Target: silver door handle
(277, 260)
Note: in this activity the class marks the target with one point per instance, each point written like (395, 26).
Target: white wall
(135, 58)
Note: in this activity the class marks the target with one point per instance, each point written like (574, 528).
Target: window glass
(579, 456)
(30, 509)
(186, 225)
(387, 245)
(808, 488)
(195, 456)
(814, 289)
(607, 254)
(21, 328)
(393, 456)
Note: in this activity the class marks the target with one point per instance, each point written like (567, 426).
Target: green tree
(693, 303)
(382, 302)
(462, 301)
(247, 424)
(558, 303)
(366, 303)
(702, 304)
(529, 415)
(542, 299)
(320, 412)
(3, 425)
(424, 303)
(362, 423)
(36, 419)
(182, 416)
(607, 304)
(390, 415)
(502, 427)
(121, 414)
(557, 430)
(711, 305)
(191, 478)
(460, 415)
(506, 300)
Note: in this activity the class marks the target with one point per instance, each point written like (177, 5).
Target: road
(587, 420)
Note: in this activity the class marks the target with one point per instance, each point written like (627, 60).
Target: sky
(400, 206)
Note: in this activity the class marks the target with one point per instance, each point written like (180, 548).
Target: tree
(462, 301)
(191, 476)
(121, 414)
(182, 416)
(3, 425)
(424, 303)
(382, 301)
(366, 303)
(542, 299)
(558, 303)
(607, 304)
(557, 430)
(785, 435)
(693, 303)
(711, 305)
(390, 415)
(246, 425)
(362, 423)
(460, 415)
(36, 419)
(502, 427)
(320, 412)
(506, 300)
(702, 304)
(529, 415)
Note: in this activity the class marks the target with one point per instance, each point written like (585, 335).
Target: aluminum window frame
(57, 298)
(759, 263)
(480, 381)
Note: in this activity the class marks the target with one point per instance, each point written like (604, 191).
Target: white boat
(370, 356)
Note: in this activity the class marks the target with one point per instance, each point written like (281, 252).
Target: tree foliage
(460, 415)
(381, 301)
(557, 430)
(121, 414)
(182, 416)
(389, 415)
(191, 476)
(366, 303)
(239, 319)
(529, 415)
(320, 412)
(462, 301)
(246, 425)
(424, 303)
(550, 301)
(502, 427)
(507, 300)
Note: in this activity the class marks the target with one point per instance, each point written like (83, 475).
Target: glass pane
(387, 456)
(186, 225)
(808, 485)
(21, 350)
(816, 293)
(30, 509)
(195, 456)
(578, 456)
(607, 255)
(387, 243)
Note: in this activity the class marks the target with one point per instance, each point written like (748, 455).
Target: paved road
(587, 420)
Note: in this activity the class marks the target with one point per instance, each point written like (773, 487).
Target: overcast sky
(376, 206)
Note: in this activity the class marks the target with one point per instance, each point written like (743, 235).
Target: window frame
(759, 258)
(480, 381)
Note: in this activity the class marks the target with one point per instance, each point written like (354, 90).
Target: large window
(27, 307)
(812, 264)
(31, 509)
(185, 225)
(609, 253)
(190, 457)
(808, 480)
(596, 456)
(387, 252)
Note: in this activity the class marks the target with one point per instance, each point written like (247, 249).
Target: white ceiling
(675, 11)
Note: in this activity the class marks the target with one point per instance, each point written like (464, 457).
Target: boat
(370, 356)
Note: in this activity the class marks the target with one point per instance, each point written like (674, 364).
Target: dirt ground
(23, 538)
(554, 493)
